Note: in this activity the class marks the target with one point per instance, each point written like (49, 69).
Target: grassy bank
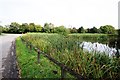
(30, 68)
(65, 49)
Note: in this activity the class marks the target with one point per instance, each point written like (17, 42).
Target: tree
(81, 30)
(48, 27)
(73, 30)
(93, 30)
(31, 27)
(25, 27)
(62, 30)
(14, 27)
(38, 28)
(51, 26)
(21, 29)
(107, 29)
(5, 29)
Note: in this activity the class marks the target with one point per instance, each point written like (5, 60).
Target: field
(66, 50)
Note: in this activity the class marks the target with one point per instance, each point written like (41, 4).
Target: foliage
(107, 29)
(92, 30)
(29, 67)
(5, 29)
(73, 30)
(15, 27)
(67, 51)
(62, 30)
(25, 27)
(38, 28)
(81, 30)
(48, 27)
(31, 27)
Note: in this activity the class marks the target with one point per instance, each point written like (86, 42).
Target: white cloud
(87, 13)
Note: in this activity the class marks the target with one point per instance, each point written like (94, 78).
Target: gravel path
(8, 68)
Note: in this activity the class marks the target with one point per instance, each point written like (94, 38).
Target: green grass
(29, 66)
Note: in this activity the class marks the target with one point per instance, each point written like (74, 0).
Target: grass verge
(29, 67)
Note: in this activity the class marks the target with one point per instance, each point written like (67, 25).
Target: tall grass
(29, 68)
(67, 51)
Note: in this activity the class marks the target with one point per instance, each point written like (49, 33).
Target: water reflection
(99, 48)
(114, 41)
(111, 49)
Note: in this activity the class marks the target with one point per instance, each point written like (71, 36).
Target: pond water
(99, 48)
(110, 46)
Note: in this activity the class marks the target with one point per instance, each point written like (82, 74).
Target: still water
(99, 48)
(110, 46)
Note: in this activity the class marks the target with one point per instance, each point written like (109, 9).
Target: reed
(66, 50)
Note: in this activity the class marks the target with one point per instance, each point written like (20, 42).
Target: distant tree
(107, 29)
(46, 28)
(38, 28)
(31, 27)
(93, 30)
(62, 30)
(73, 30)
(51, 26)
(14, 27)
(25, 27)
(81, 30)
(5, 29)
(88, 30)
(21, 29)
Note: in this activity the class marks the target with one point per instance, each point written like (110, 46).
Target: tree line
(15, 27)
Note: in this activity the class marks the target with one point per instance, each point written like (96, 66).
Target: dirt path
(8, 67)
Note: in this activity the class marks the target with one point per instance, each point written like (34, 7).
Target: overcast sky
(76, 13)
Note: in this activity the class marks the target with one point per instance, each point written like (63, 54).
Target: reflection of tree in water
(118, 39)
(114, 42)
(118, 44)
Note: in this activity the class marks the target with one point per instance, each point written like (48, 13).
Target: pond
(110, 46)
